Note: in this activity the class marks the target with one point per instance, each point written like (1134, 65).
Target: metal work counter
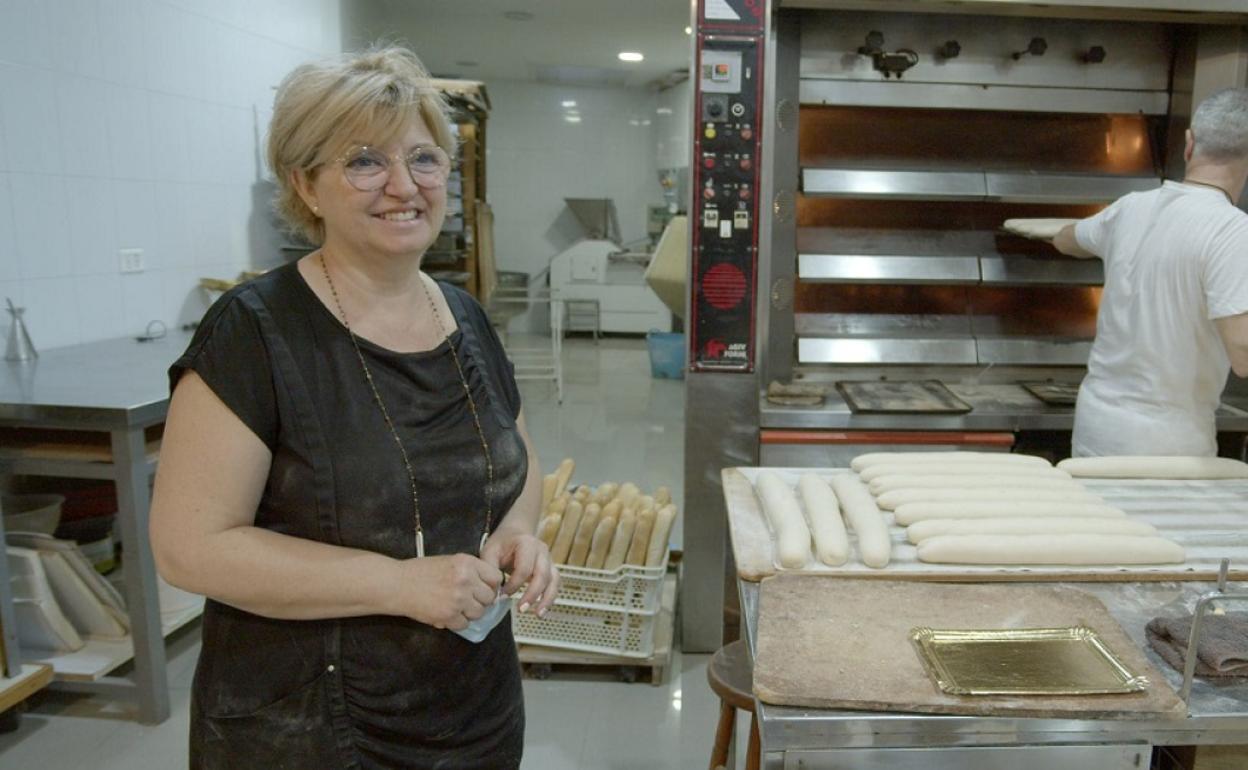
(816, 739)
(998, 408)
(118, 387)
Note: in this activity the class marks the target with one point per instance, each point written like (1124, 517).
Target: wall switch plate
(131, 260)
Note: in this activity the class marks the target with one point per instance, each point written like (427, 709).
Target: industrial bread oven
(853, 165)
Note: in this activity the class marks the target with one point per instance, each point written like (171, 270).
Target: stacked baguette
(604, 528)
(818, 519)
(1005, 509)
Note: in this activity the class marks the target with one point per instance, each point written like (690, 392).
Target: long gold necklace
(385, 413)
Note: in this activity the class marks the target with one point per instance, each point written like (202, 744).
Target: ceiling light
(688, 30)
(663, 111)
(569, 103)
(518, 16)
(630, 56)
(572, 118)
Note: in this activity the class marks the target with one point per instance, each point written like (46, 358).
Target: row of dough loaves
(606, 527)
(818, 518)
(1005, 509)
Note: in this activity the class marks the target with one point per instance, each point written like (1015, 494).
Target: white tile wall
(133, 124)
(536, 158)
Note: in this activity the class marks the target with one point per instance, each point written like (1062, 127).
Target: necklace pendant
(420, 544)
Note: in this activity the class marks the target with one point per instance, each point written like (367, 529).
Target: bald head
(1220, 127)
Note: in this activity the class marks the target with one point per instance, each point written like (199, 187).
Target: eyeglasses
(368, 168)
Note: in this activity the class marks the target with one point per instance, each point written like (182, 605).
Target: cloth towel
(1222, 649)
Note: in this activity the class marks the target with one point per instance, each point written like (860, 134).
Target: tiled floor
(619, 424)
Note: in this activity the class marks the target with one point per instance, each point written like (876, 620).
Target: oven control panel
(724, 219)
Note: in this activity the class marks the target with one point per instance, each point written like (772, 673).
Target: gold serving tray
(1025, 661)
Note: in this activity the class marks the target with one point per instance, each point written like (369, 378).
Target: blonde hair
(323, 107)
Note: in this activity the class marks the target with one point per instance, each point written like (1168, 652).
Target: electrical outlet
(131, 260)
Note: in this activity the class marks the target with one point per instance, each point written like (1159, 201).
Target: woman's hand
(447, 591)
(528, 560)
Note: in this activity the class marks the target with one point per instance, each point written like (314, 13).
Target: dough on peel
(823, 514)
(871, 459)
(890, 500)
(875, 547)
(883, 484)
(1144, 467)
(1054, 525)
(1110, 550)
(909, 513)
(781, 508)
(961, 469)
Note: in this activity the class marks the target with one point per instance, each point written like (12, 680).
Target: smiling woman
(346, 472)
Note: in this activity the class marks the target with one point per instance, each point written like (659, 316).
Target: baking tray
(913, 397)
(1053, 393)
(1025, 661)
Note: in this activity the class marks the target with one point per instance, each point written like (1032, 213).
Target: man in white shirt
(1174, 312)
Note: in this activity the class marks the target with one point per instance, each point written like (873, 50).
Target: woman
(345, 472)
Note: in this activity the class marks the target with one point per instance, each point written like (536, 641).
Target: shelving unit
(464, 253)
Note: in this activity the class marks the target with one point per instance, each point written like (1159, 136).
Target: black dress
(375, 691)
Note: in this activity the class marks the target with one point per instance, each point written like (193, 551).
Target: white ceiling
(572, 41)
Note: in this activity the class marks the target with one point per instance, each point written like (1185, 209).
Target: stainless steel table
(118, 387)
(814, 739)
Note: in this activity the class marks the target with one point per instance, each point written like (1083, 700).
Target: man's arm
(1066, 243)
(1234, 333)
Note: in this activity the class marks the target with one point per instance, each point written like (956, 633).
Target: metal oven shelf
(1021, 186)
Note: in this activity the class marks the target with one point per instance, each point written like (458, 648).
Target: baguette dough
(891, 500)
(823, 514)
(889, 483)
(909, 458)
(787, 524)
(1036, 229)
(961, 469)
(874, 546)
(1050, 549)
(909, 513)
(1048, 525)
(1143, 467)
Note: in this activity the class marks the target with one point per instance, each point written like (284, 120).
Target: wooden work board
(845, 644)
(1208, 518)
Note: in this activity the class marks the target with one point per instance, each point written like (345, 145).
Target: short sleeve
(1095, 233)
(1226, 270)
(229, 354)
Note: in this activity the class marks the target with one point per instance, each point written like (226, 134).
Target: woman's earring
(316, 210)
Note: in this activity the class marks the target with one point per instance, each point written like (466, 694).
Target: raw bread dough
(823, 514)
(781, 508)
(1145, 467)
(891, 500)
(908, 513)
(875, 548)
(1048, 525)
(1037, 229)
(882, 484)
(961, 469)
(1050, 549)
(909, 458)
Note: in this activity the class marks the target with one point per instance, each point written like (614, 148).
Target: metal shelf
(1021, 186)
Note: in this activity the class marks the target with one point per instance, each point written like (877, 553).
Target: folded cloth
(1221, 651)
(1038, 229)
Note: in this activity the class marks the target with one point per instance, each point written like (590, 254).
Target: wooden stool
(731, 676)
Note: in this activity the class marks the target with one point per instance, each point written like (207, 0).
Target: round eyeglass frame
(375, 181)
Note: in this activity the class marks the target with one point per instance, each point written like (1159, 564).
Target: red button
(746, 133)
(744, 192)
(708, 162)
(745, 164)
(708, 193)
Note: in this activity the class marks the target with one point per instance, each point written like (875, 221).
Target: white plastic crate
(608, 611)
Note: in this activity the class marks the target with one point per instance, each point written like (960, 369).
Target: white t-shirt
(1176, 258)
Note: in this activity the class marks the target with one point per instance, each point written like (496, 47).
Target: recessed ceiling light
(572, 118)
(630, 56)
(467, 63)
(663, 111)
(568, 103)
(518, 16)
(688, 30)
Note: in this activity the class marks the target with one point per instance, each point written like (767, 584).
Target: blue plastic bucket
(667, 354)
